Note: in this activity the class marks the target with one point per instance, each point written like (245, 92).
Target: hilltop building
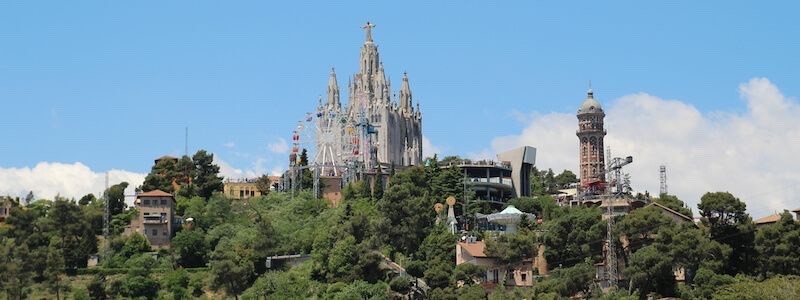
(156, 218)
(590, 135)
(240, 189)
(471, 251)
(497, 182)
(6, 203)
(389, 129)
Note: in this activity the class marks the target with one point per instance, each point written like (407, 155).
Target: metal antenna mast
(614, 165)
(663, 173)
(107, 212)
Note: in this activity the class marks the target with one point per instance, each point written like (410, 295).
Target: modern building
(499, 181)
(156, 218)
(590, 136)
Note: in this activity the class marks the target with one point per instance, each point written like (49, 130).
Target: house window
(154, 232)
(146, 202)
(164, 233)
(524, 276)
(163, 201)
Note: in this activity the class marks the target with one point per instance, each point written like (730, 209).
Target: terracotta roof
(672, 211)
(154, 193)
(768, 219)
(166, 157)
(474, 249)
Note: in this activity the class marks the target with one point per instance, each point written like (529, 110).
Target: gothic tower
(590, 135)
(396, 123)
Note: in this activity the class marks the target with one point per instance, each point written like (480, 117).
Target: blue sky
(112, 85)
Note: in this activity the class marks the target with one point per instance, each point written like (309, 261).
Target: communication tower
(663, 175)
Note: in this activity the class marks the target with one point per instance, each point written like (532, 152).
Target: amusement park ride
(337, 144)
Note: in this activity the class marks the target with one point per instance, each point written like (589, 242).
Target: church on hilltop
(390, 125)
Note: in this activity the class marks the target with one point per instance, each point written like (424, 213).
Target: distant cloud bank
(48, 179)
(750, 154)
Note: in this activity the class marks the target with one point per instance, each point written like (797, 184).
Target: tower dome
(590, 105)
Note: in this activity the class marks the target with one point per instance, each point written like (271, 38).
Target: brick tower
(590, 135)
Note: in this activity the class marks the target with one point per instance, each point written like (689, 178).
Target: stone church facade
(394, 122)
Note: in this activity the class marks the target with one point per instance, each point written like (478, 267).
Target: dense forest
(45, 245)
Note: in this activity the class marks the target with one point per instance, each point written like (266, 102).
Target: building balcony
(154, 220)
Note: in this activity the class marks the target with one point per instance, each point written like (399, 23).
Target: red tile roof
(768, 219)
(474, 249)
(155, 193)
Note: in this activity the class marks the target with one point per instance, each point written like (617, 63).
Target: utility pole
(107, 212)
(663, 174)
(612, 273)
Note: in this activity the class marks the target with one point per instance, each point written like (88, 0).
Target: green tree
(73, 234)
(691, 249)
(177, 283)
(778, 287)
(116, 198)
(537, 182)
(549, 182)
(306, 176)
(184, 176)
(86, 199)
(29, 198)
(778, 247)
(469, 273)
(191, 248)
(97, 287)
(232, 269)
(705, 284)
(673, 203)
(208, 180)
(544, 207)
(650, 271)
(567, 281)
(263, 184)
(574, 236)
(565, 179)
(730, 224)
(512, 247)
(407, 210)
(15, 276)
(641, 226)
(54, 271)
(400, 284)
(161, 176)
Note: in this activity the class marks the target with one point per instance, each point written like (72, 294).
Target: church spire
(333, 91)
(369, 61)
(405, 95)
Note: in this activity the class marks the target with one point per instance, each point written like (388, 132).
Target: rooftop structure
(508, 217)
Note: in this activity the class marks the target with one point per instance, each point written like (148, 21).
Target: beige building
(241, 189)
(156, 218)
(513, 274)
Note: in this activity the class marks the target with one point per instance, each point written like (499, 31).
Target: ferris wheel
(329, 138)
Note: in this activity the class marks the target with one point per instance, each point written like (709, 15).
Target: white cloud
(750, 154)
(48, 179)
(280, 146)
(428, 148)
(230, 145)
